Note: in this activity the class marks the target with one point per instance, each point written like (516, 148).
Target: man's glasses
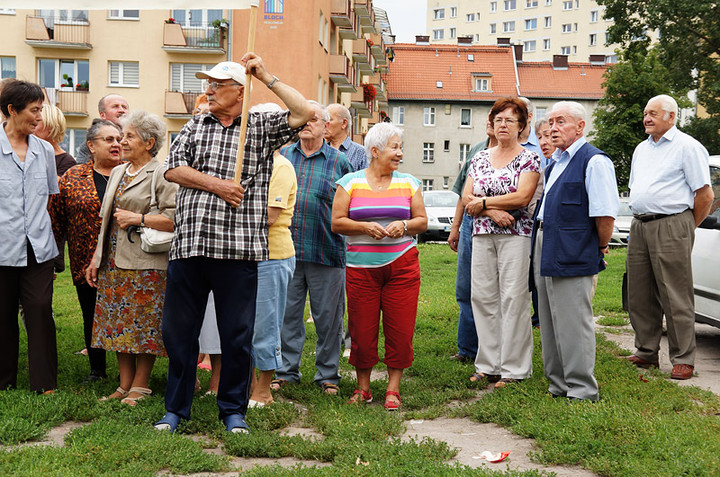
(109, 139)
(214, 85)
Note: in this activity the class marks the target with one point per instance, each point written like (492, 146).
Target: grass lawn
(647, 426)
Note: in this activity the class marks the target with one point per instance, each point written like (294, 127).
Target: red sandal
(361, 396)
(392, 405)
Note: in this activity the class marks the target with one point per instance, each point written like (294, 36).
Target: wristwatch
(272, 83)
(405, 227)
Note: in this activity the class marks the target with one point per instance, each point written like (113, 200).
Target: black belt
(651, 217)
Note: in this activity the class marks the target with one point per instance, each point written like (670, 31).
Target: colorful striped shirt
(383, 207)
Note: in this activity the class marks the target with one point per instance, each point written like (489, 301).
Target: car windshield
(445, 199)
(624, 209)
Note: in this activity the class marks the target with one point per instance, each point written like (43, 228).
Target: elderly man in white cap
(221, 233)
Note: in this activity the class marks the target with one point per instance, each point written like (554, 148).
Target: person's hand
(125, 218)
(91, 273)
(453, 239)
(474, 205)
(254, 65)
(500, 217)
(375, 230)
(395, 229)
(230, 191)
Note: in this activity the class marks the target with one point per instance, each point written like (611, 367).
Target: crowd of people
(315, 214)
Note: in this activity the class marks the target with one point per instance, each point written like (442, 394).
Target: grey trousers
(660, 280)
(567, 332)
(326, 286)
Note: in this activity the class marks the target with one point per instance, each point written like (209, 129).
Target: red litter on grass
(492, 458)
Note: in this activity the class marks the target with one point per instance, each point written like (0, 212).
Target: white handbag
(153, 240)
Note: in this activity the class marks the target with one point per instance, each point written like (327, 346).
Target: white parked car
(440, 208)
(621, 232)
(706, 257)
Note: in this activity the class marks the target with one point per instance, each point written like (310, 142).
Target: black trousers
(86, 296)
(30, 286)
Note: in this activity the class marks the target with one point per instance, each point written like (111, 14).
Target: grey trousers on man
(326, 286)
(567, 331)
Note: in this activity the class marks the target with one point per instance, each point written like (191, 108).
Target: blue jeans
(467, 339)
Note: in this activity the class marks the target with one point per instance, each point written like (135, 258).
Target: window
(428, 152)
(540, 113)
(124, 14)
(567, 27)
(577, 3)
(482, 84)
(74, 138)
(564, 50)
(399, 115)
(510, 5)
(7, 67)
(446, 145)
(593, 39)
(548, 22)
(574, 50)
(196, 18)
(575, 26)
(464, 151)
(470, 17)
(607, 37)
(493, 7)
(438, 34)
(567, 5)
(546, 44)
(453, 33)
(427, 184)
(531, 24)
(429, 117)
(548, 3)
(453, 12)
(63, 74)
(594, 16)
(508, 27)
(477, 38)
(611, 59)
(531, 3)
(446, 182)
(124, 73)
(7, 11)
(63, 16)
(182, 77)
(465, 117)
(493, 28)
(439, 13)
(529, 46)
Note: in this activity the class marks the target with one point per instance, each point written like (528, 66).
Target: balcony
(377, 49)
(361, 55)
(179, 105)
(54, 32)
(362, 107)
(342, 73)
(72, 103)
(203, 39)
(366, 16)
(379, 84)
(343, 18)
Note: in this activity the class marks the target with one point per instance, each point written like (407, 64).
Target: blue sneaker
(169, 422)
(236, 424)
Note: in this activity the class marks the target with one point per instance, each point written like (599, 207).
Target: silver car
(440, 208)
(706, 257)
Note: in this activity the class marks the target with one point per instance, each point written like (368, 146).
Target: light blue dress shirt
(533, 144)
(665, 175)
(24, 191)
(600, 182)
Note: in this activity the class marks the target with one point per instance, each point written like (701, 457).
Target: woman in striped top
(380, 210)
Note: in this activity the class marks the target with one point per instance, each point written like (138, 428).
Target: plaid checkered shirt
(316, 176)
(206, 225)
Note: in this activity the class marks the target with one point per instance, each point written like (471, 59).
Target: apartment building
(329, 50)
(544, 28)
(441, 95)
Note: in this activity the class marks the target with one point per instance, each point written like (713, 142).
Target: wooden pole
(246, 93)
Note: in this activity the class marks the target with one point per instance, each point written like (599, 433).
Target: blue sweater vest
(570, 237)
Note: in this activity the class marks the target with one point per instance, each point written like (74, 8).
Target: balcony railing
(72, 103)
(342, 73)
(203, 38)
(56, 32)
(357, 101)
(180, 104)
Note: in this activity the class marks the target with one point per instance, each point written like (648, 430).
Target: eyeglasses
(315, 119)
(109, 139)
(214, 85)
(508, 121)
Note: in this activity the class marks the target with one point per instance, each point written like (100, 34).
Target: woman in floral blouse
(501, 182)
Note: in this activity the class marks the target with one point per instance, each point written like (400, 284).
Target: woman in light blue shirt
(27, 245)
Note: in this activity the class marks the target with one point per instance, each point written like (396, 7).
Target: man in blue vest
(573, 226)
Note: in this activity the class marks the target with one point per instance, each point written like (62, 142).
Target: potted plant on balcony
(67, 81)
(82, 86)
(369, 92)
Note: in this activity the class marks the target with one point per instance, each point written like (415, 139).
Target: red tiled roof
(417, 69)
(578, 81)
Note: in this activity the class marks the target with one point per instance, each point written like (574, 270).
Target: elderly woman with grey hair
(380, 210)
(130, 281)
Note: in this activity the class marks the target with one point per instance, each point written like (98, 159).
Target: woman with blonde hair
(52, 129)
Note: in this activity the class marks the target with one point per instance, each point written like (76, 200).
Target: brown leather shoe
(641, 363)
(682, 371)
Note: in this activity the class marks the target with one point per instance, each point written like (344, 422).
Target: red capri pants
(392, 289)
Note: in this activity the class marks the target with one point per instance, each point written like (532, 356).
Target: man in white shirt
(670, 195)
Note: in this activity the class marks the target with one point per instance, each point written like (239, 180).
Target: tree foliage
(629, 84)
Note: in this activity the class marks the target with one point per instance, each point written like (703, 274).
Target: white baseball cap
(224, 70)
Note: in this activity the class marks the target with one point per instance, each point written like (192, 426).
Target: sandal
(142, 393)
(490, 378)
(236, 424)
(360, 396)
(118, 394)
(390, 404)
(169, 422)
(330, 389)
(276, 384)
(505, 381)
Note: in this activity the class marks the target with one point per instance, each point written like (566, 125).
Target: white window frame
(493, 7)
(183, 76)
(470, 17)
(509, 5)
(428, 184)
(593, 39)
(493, 28)
(446, 182)
(567, 27)
(3, 61)
(546, 44)
(529, 46)
(565, 50)
(531, 3)
(594, 16)
(399, 115)
(548, 22)
(548, 3)
(73, 140)
(453, 12)
(123, 15)
(439, 14)
(482, 84)
(567, 5)
(439, 34)
(429, 116)
(530, 24)
(122, 66)
(7, 11)
(453, 33)
(464, 151)
(469, 121)
(509, 26)
(428, 152)
(58, 80)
